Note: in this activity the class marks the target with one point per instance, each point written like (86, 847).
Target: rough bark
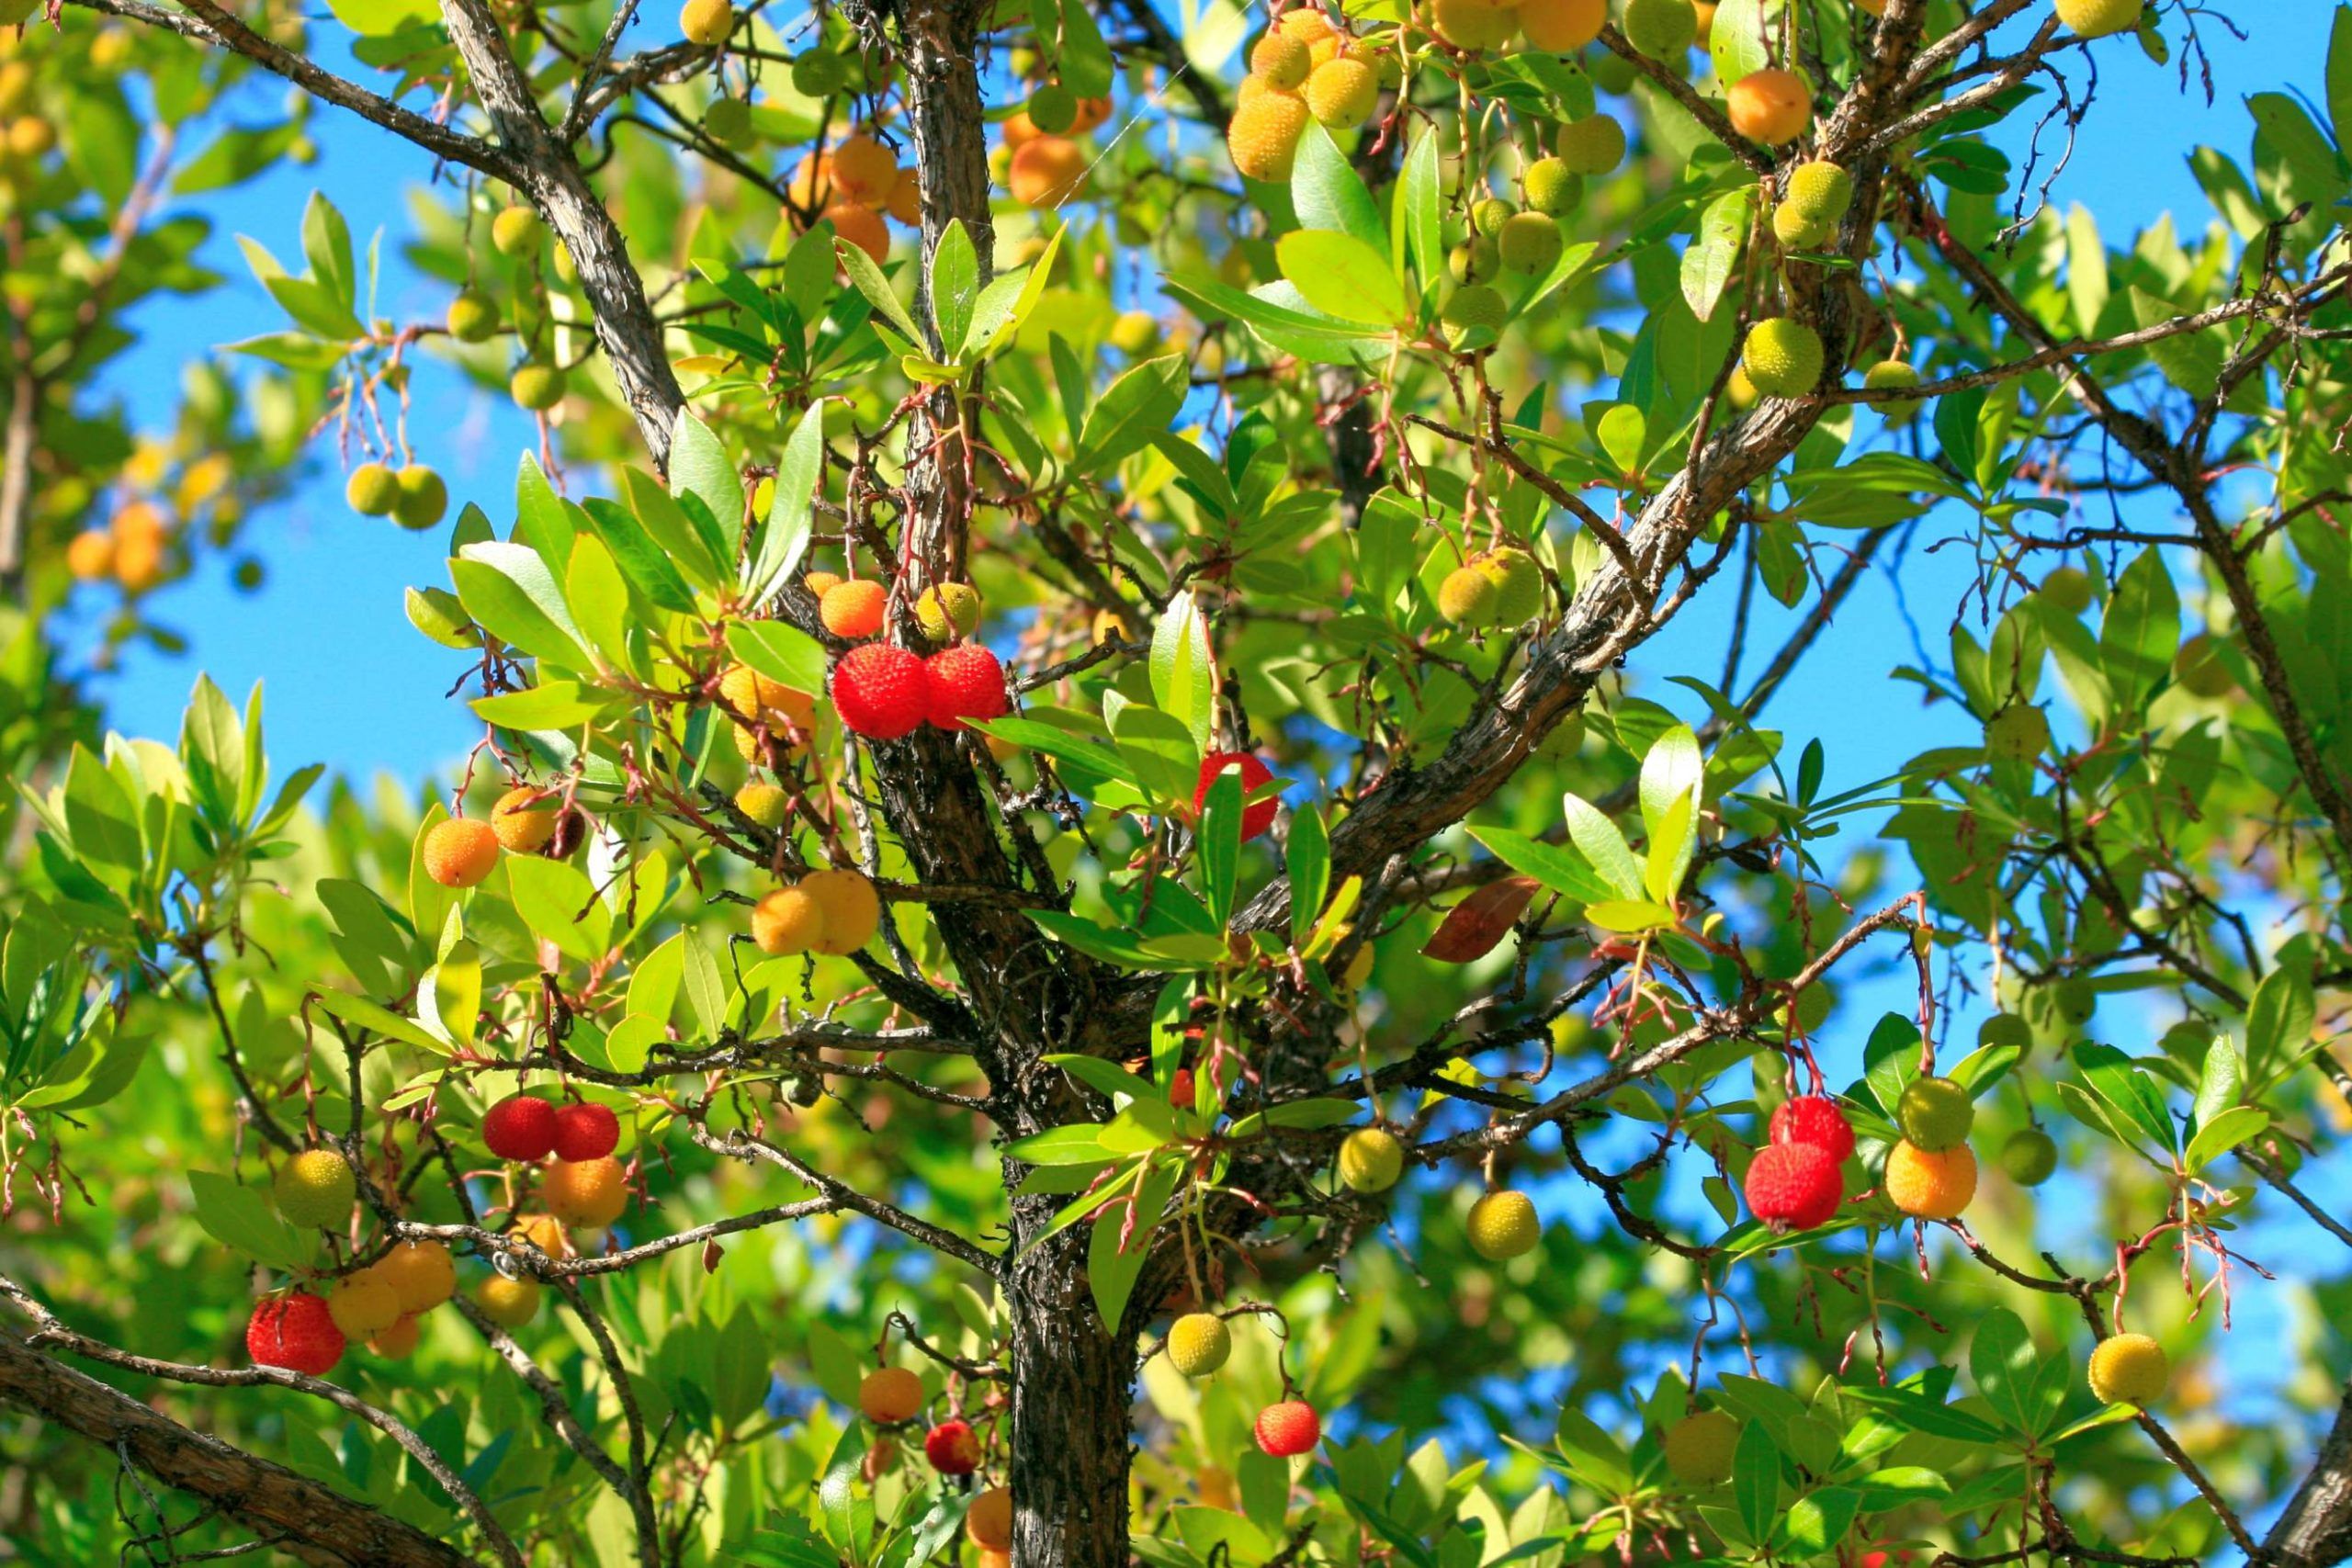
(316, 1523)
(2316, 1529)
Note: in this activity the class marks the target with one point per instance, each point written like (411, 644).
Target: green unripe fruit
(1612, 73)
(2006, 1029)
(948, 609)
(1475, 260)
(1819, 189)
(1370, 1161)
(1699, 1447)
(1551, 188)
(2198, 667)
(1198, 1344)
(473, 317)
(2030, 1156)
(1473, 306)
(1934, 1113)
(2097, 18)
(516, 231)
(1797, 232)
(372, 490)
(1593, 145)
(820, 73)
(1893, 375)
(1466, 597)
(2075, 1002)
(2018, 733)
(1518, 585)
(316, 1188)
(1488, 215)
(1662, 29)
(1531, 244)
(424, 498)
(727, 121)
(1783, 358)
(536, 387)
(1052, 109)
(2069, 588)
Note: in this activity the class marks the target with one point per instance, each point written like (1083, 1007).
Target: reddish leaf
(1471, 928)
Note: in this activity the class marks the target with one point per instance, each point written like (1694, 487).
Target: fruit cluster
(833, 911)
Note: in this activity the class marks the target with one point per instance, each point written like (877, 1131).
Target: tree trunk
(1073, 1385)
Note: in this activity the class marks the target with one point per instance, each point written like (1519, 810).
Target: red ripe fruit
(1288, 1429)
(1257, 817)
(1814, 1118)
(965, 681)
(520, 1127)
(880, 692)
(952, 1448)
(296, 1332)
(1795, 1186)
(586, 1132)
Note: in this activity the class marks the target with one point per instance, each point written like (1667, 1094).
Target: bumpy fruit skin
(1047, 172)
(1770, 105)
(988, 1522)
(727, 121)
(1699, 1447)
(1473, 306)
(459, 852)
(424, 500)
(1503, 1226)
(1819, 189)
(1890, 376)
(2129, 1369)
(538, 388)
(1795, 1186)
(521, 1127)
(590, 1192)
(706, 22)
(524, 819)
(1519, 584)
(586, 1131)
(296, 1332)
(1559, 26)
(1930, 1186)
(1256, 817)
(786, 922)
(850, 909)
(1198, 1344)
(864, 170)
(372, 490)
(1661, 28)
(510, 1304)
(948, 609)
(516, 231)
(1814, 1118)
(888, 1395)
(1263, 135)
(1934, 1113)
(962, 684)
(1550, 186)
(1287, 1429)
(764, 802)
(316, 1188)
(1798, 232)
(853, 609)
(2099, 18)
(952, 1448)
(1370, 1159)
(2030, 1156)
(2069, 588)
(420, 1274)
(362, 1305)
(1280, 62)
(1473, 25)
(1593, 145)
(1783, 357)
(880, 692)
(2017, 733)
(1529, 244)
(1341, 94)
(1466, 597)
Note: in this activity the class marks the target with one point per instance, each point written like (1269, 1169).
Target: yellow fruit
(1341, 94)
(397, 1341)
(865, 170)
(1529, 244)
(1280, 62)
(590, 1192)
(787, 923)
(523, 819)
(459, 852)
(372, 490)
(2129, 1369)
(1783, 358)
(889, 1395)
(1503, 1226)
(1559, 26)
(316, 1188)
(510, 1304)
(1466, 597)
(32, 137)
(420, 1274)
(1819, 189)
(424, 498)
(1308, 24)
(1519, 584)
(363, 1304)
(544, 1232)
(764, 802)
(89, 555)
(1661, 28)
(948, 609)
(538, 388)
(706, 22)
(990, 1520)
(473, 317)
(1470, 27)
(1263, 135)
(860, 226)
(138, 562)
(1047, 172)
(1550, 186)
(1198, 1344)
(1370, 1159)
(2097, 18)
(1770, 105)
(1593, 145)
(1930, 1186)
(1699, 1447)
(516, 231)
(851, 910)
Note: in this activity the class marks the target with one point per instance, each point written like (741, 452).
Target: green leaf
(1137, 406)
(1183, 677)
(556, 900)
(870, 281)
(700, 466)
(2279, 1023)
(1418, 210)
(1328, 194)
(2141, 631)
(551, 705)
(1709, 261)
(1220, 842)
(598, 597)
(361, 1013)
(1341, 276)
(781, 536)
(1077, 1144)
(779, 651)
(2224, 1133)
(955, 279)
(99, 1066)
(508, 590)
(1756, 1478)
(1737, 43)
(1308, 854)
(1119, 1245)
(2127, 1090)
(1557, 867)
(1106, 1079)
(540, 520)
(2001, 1358)
(1603, 847)
(2217, 1082)
(242, 1220)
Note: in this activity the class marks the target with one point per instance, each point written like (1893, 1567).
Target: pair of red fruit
(1798, 1180)
(885, 692)
(525, 1128)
